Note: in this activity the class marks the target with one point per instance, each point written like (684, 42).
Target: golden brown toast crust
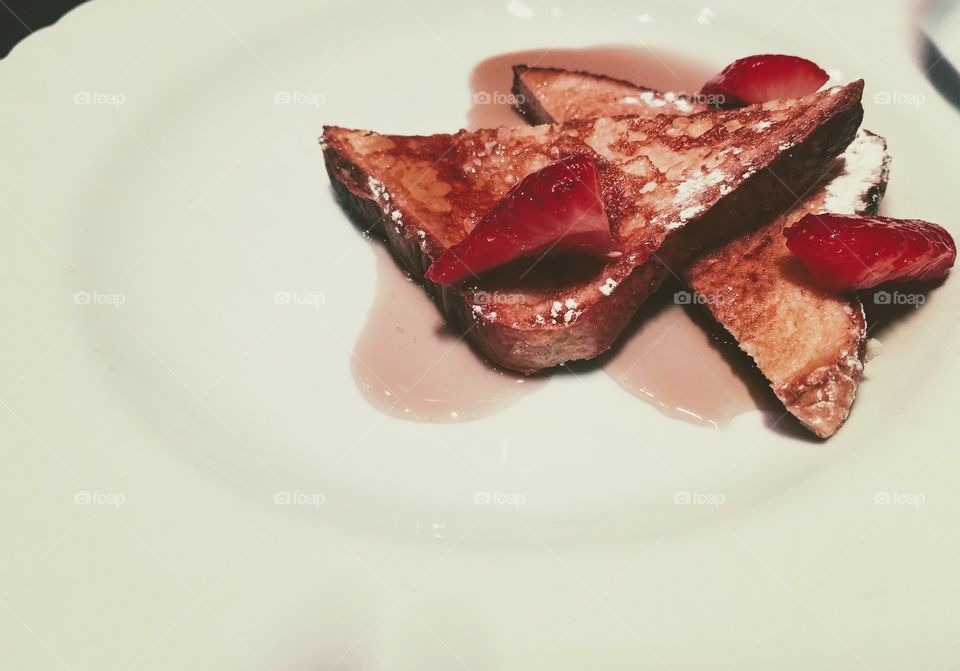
(671, 185)
(554, 95)
(808, 342)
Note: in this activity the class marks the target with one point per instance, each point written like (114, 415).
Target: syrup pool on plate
(408, 364)
(672, 361)
(492, 78)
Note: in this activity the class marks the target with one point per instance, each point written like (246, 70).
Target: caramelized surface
(807, 341)
(560, 97)
(657, 175)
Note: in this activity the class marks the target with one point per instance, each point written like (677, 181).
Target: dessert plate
(193, 474)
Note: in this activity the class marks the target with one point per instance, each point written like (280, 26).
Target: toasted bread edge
(524, 350)
(528, 350)
(822, 399)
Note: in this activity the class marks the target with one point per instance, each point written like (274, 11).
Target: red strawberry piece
(846, 252)
(757, 79)
(555, 210)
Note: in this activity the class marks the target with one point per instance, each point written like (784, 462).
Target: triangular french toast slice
(672, 186)
(808, 342)
(551, 95)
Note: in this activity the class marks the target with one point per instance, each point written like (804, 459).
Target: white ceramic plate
(147, 433)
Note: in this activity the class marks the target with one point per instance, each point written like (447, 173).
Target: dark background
(19, 18)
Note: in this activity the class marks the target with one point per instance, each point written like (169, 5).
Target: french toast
(807, 341)
(552, 95)
(672, 186)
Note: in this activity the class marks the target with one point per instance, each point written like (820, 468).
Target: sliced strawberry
(846, 252)
(552, 211)
(757, 79)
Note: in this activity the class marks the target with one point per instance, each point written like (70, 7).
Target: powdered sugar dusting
(865, 164)
(655, 100)
(377, 190)
(690, 212)
(692, 188)
(689, 197)
(872, 350)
